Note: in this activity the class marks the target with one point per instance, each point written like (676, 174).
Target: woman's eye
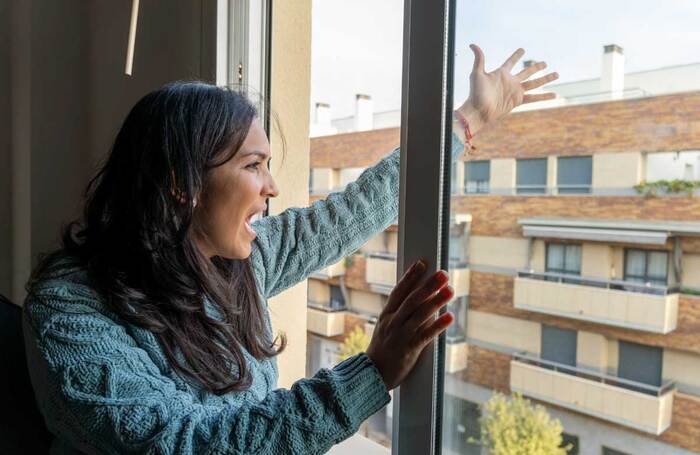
(254, 165)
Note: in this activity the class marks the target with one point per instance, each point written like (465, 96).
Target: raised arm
(291, 246)
(104, 394)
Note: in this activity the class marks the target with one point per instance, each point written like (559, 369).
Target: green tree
(357, 341)
(514, 426)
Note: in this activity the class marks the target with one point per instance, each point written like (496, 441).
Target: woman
(149, 330)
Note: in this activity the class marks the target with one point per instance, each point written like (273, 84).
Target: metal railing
(595, 376)
(617, 285)
(455, 263)
(326, 306)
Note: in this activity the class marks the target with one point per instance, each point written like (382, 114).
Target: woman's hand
(406, 324)
(494, 94)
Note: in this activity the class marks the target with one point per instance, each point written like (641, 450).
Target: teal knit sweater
(105, 386)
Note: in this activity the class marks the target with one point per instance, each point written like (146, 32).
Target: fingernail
(442, 275)
(418, 266)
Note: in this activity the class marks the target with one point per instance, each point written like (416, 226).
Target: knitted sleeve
(104, 394)
(299, 241)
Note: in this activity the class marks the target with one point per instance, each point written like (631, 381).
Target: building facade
(577, 277)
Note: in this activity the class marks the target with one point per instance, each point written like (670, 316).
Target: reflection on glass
(609, 149)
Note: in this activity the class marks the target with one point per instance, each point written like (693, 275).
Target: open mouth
(250, 220)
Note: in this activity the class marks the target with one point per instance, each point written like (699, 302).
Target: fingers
(404, 287)
(540, 81)
(538, 97)
(435, 328)
(530, 70)
(420, 295)
(513, 59)
(427, 309)
(479, 59)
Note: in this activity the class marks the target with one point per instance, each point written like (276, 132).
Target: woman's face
(236, 192)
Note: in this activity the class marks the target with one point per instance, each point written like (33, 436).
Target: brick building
(573, 287)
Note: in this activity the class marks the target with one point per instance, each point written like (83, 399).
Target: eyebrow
(262, 155)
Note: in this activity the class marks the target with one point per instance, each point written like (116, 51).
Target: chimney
(323, 115)
(612, 77)
(364, 112)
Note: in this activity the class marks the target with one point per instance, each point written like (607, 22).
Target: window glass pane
(570, 442)
(355, 120)
(609, 451)
(531, 175)
(658, 266)
(527, 331)
(635, 267)
(559, 345)
(555, 257)
(640, 363)
(477, 176)
(574, 174)
(573, 259)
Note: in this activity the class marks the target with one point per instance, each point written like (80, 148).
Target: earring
(194, 202)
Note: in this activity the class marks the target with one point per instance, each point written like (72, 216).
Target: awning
(623, 231)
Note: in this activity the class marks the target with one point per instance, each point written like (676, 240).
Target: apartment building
(573, 287)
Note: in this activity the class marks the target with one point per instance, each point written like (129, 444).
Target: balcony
(619, 303)
(380, 274)
(324, 321)
(332, 271)
(456, 355)
(633, 404)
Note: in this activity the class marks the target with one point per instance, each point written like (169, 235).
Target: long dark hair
(136, 242)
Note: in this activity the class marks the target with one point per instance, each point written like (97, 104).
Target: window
(574, 174)
(531, 176)
(645, 266)
(680, 165)
(337, 300)
(570, 440)
(462, 429)
(477, 176)
(458, 330)
(559, 345)
(563, 259)
(640, 363)
(609, 451)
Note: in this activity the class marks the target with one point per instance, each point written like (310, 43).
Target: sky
(357, 45)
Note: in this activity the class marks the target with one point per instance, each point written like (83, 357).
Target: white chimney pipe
(323, 115)
(364, 113)
(612, 78)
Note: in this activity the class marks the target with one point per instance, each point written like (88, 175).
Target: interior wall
(63, 65)
(5, 144)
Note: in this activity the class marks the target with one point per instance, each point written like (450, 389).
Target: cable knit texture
(105, 386)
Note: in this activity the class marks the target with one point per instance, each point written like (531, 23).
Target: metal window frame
(646, 278)
(424, 203)
(531, 188)
(481, 188)
(243, 49)
(574, 188)
(564, 270)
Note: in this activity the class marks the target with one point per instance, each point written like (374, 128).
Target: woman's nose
(271, 189)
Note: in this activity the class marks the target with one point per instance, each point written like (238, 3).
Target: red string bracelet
(467, 131)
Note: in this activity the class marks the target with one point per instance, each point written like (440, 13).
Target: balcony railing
(323, 320)
(333, 270)
(630, 403)
(625, 304)
(380, 274)
(630, 286)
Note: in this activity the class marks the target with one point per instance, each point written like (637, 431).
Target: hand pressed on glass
(406, 324)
